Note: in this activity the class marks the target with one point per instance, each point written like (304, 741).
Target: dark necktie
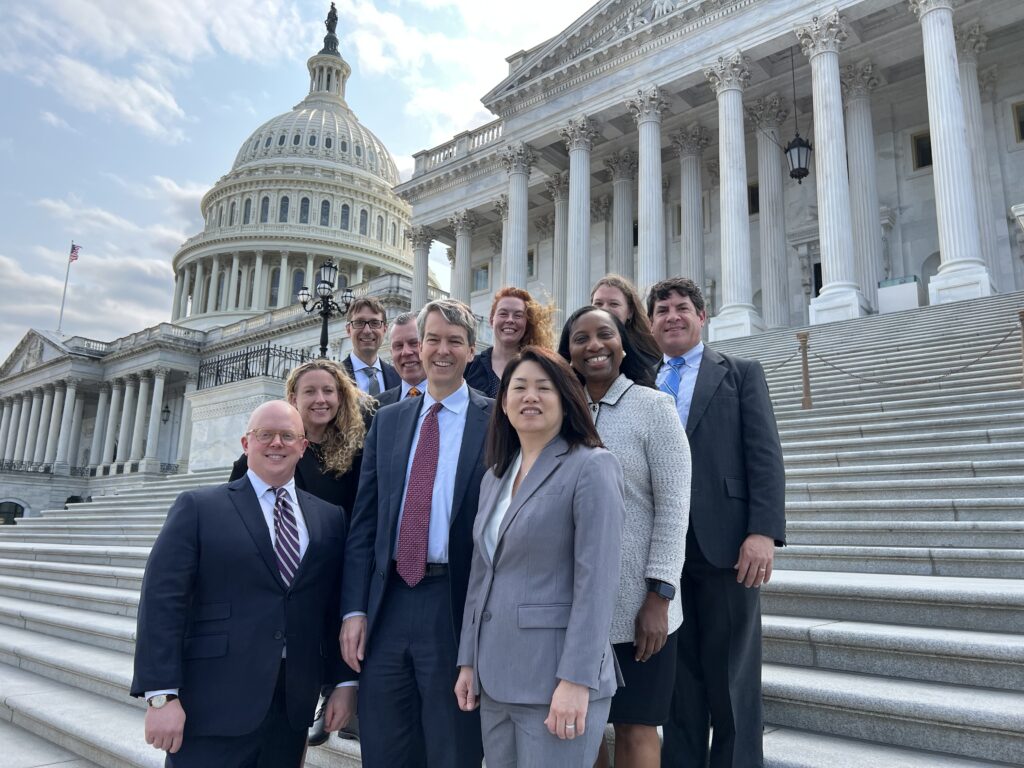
(286, 537)
(415, 529)
(373, 388)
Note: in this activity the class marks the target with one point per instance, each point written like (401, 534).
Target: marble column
(971, 41)
(501, 208)
(307, 277)
(124, 434)
(53, 434)
(464, 223)
(20, 425)
(421, 239)
(186, 283)
(623, 167)
(113, 419)
(99, 425)
(33, 426)
(646, 108)
(179, 282)
(737, 315)
(5, 426)
(517, 160)
(283, 289)
(155, 413)
(579, 137)
(214, 293)
(840, 297)
(767, 113)
(185, 434)
(858, 81)
(139, 422)
(558, 188)
(198, 292)
(690, 144)
(64, 442)
(257, 283)
(233, 282)
(76, 430)
(962, 272)
(39, 454)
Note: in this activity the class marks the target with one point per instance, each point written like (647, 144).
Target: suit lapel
(248, 507)
(546, 463)
(469, 453)
(712, 371)
(400, 455)
(314, 527)
(488, 498)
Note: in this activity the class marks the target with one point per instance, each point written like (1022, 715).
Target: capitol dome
(308, 185)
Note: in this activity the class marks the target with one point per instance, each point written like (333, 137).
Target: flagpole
(67, 273)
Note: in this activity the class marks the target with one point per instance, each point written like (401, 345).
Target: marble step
(26, 750)
(930, 509)
(883, 424)
(919, 561)
(962, 657)
(39, 536)
(118, 602)
(948, 470)
(128, 527)
(967, 722)
(902, 395)
(895, 386)
(128, 516)
(990, 534)
(98, 575)
(1006, 486)
(955, 602)
(862, 452)
(102, 630)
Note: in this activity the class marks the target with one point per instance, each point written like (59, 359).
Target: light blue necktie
(674, 378)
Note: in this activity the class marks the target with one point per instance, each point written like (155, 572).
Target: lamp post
(325, 304)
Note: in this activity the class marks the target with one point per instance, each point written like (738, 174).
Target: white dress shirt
(501, 506)
(363, 371)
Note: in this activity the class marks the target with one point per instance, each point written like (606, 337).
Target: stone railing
(458, 148)
(270, 229)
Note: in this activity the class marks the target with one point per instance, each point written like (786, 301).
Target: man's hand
(754, 567)
(650, 627)
(164, 726)
(464, 690)
(353, 641)
(341, 706)
(567, 717)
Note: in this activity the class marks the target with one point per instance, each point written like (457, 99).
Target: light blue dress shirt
(406, 386)
(687, 379)
(363, 372)
(451, 423)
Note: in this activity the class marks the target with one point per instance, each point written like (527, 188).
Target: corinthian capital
(421, 237)
(824, 34)
(451, 257)
(501, 207)
(463, 222)
(970, 40)
(517, 158)
(858, 80)
(558, 186)
(622, 165)
(495, 240)
(768, 111)
(647, 105)
(579, 133)
(729, 73)
(544, 225)
(921, 7)
(691, 140)
(600, 208)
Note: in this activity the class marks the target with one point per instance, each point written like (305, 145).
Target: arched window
(345, 211)
(231, 217)
(298, 280)
(220, 215)
(282, 210)
(296, 139)
(344, 146)
(304, 211)
(325, 214)
(312, 140)
(328, 143)
(275, 273)
(380, 228)
(247, 211)
(394, 233)
(280, 140)
(264, 210)
(267, 142)
(359, 151)
(364, 223)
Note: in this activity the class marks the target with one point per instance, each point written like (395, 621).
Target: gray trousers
(515, 736)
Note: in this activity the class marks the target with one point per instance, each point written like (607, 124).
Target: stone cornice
(823, 34)
(452, 177)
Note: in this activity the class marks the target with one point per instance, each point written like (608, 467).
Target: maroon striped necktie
(286, 537)
(414, 531)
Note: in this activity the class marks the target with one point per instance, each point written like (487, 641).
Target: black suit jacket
(739, 481)
(389, 396)
(373, 533)
(391, 377)
(214, 612)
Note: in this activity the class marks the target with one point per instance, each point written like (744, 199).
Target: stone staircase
(893, 628)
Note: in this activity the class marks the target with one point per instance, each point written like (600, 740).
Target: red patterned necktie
(286, 537)
(415, 529)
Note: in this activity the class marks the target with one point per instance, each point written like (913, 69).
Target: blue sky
(119, 116)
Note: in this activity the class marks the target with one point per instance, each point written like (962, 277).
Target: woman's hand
(464, 690)
(567, 717)
(651, 627)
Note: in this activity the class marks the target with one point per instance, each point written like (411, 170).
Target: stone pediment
(35, 349)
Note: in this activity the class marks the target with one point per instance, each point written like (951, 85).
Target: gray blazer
(545, 613)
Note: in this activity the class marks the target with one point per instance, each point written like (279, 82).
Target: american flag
(74, 252)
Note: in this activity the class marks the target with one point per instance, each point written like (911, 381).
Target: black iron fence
(265, 360)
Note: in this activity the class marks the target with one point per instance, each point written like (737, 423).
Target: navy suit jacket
(391, 377)
(739, 481)
(214, 613)
(372, 536)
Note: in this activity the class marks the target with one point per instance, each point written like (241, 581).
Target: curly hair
(344, 436)
(540, 319)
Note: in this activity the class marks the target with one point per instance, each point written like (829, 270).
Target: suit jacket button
(278, 635)
(485, 616)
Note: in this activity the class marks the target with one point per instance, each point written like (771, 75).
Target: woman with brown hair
(517, 320)
(614, 293)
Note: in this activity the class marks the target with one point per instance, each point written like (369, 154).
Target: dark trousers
(408, 714)
(718, 675)
(275, 744)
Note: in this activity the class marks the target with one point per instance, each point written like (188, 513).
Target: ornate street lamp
(325, 304)
(798, 151)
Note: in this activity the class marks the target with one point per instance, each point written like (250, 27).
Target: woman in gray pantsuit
(534, 651)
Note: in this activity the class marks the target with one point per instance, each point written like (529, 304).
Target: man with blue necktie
(737, 518)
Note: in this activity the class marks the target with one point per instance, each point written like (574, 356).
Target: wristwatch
(161, 700)
(661, 589)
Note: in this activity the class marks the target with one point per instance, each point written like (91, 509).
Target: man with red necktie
(408, 557)
(238, 612)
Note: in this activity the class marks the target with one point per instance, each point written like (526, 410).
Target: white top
(501, 507)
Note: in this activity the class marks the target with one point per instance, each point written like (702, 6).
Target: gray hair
(403, 319)
(454, 312)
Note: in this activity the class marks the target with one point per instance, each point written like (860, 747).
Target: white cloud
(56, 121)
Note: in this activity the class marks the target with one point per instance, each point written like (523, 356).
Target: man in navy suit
(408, 557)
(367, 324)
(238, 614)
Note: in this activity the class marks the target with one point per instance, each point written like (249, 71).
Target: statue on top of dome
(332, 20)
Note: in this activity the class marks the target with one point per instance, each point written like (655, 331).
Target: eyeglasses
(266, 436)
(360, 324)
